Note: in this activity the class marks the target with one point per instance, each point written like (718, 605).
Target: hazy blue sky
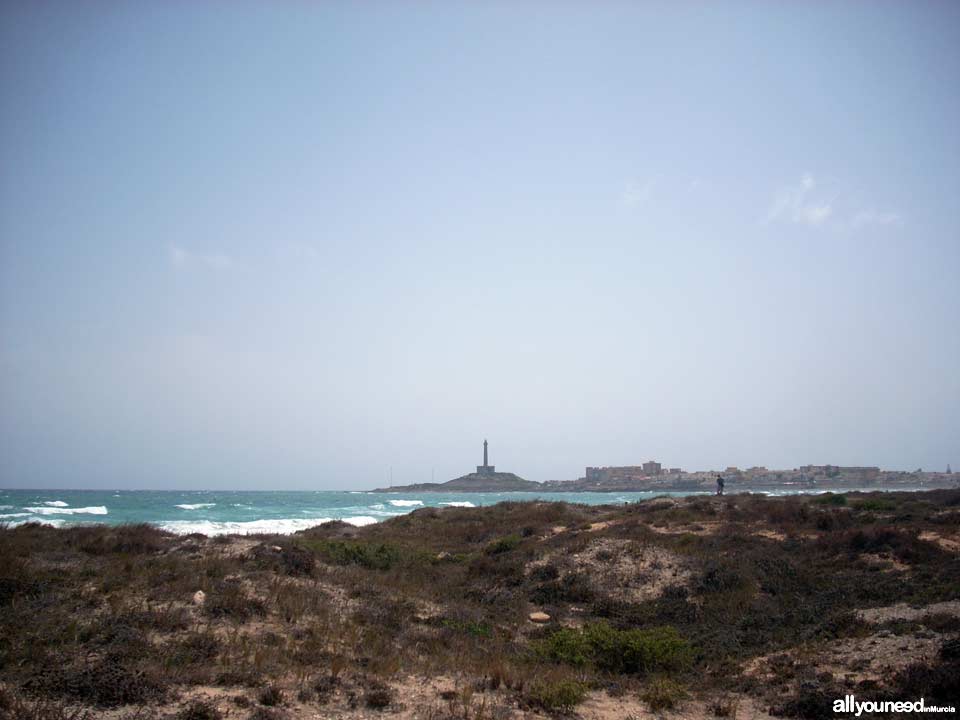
(291, 245)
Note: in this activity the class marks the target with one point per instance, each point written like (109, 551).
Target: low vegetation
(703, 604)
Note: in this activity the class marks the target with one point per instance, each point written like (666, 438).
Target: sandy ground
(852, 660)
(902, 611)
(629, 570)
(441, 698)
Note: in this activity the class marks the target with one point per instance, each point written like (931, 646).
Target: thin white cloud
(801, 204)
(868, 218)
(302, 251)
(636, 193)
(178, 256)
(217, 261)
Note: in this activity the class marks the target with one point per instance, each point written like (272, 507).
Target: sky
(264, 245)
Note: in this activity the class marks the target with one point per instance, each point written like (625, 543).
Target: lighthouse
(485, 469)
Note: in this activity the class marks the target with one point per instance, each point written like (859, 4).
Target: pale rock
(539, 617)
(199, 597)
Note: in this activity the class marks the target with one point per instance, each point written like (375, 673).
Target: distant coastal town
(652, 476)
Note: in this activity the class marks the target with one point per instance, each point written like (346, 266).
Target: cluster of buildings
(652, 475)
(629, 472)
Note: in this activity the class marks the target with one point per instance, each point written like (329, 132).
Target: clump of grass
(809, 702)
(378, 695)
(13, 707)
(633, 651)
(228, 600)
(111, 681)
(663, 694)
(199, 710)
(193, 648)
(555, 695)
(725, 706)
(271, 696)
(262, 713)
(297, 561)
(572, 587)
(136, 539)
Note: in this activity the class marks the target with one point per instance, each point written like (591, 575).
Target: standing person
(719, 484)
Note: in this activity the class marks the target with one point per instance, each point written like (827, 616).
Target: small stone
(539, 617)
(199, 597)
(276, 548)
(443, 555)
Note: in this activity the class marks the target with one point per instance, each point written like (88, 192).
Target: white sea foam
(6, 507)
(464, 503)
(10, 515)
(56, 503)
(282, 526)
(406, 503)
(98, 510)
(55, 522)
(196, 506)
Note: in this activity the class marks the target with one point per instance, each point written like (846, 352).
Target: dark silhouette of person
(720, 484)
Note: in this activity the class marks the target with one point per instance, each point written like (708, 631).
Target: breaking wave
(283, 526)
(197, 506)
(98, 510)
(406, 503)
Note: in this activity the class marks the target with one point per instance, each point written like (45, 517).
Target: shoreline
(242, 512)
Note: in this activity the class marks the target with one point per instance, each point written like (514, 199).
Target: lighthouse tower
(485, 469)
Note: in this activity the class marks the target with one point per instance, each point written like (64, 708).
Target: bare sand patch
(950, 544)
(600, 706)
(708, 527)
(624, 569)
(852, 660)
(886, 563)
(902, 611)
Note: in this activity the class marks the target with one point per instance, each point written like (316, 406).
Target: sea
(218, 512)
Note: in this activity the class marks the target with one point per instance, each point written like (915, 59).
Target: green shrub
(567, 646)
(502, 545)
(876, 505)
(476, 629)
(374, 556)
(634, 651)
(663, 694)
(831, 499)
(555, 696)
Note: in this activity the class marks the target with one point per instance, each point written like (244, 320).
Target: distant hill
(474, 482)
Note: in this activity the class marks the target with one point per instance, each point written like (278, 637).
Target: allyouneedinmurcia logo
(849, 704)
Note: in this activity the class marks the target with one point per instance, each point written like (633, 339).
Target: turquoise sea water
(217, 512)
